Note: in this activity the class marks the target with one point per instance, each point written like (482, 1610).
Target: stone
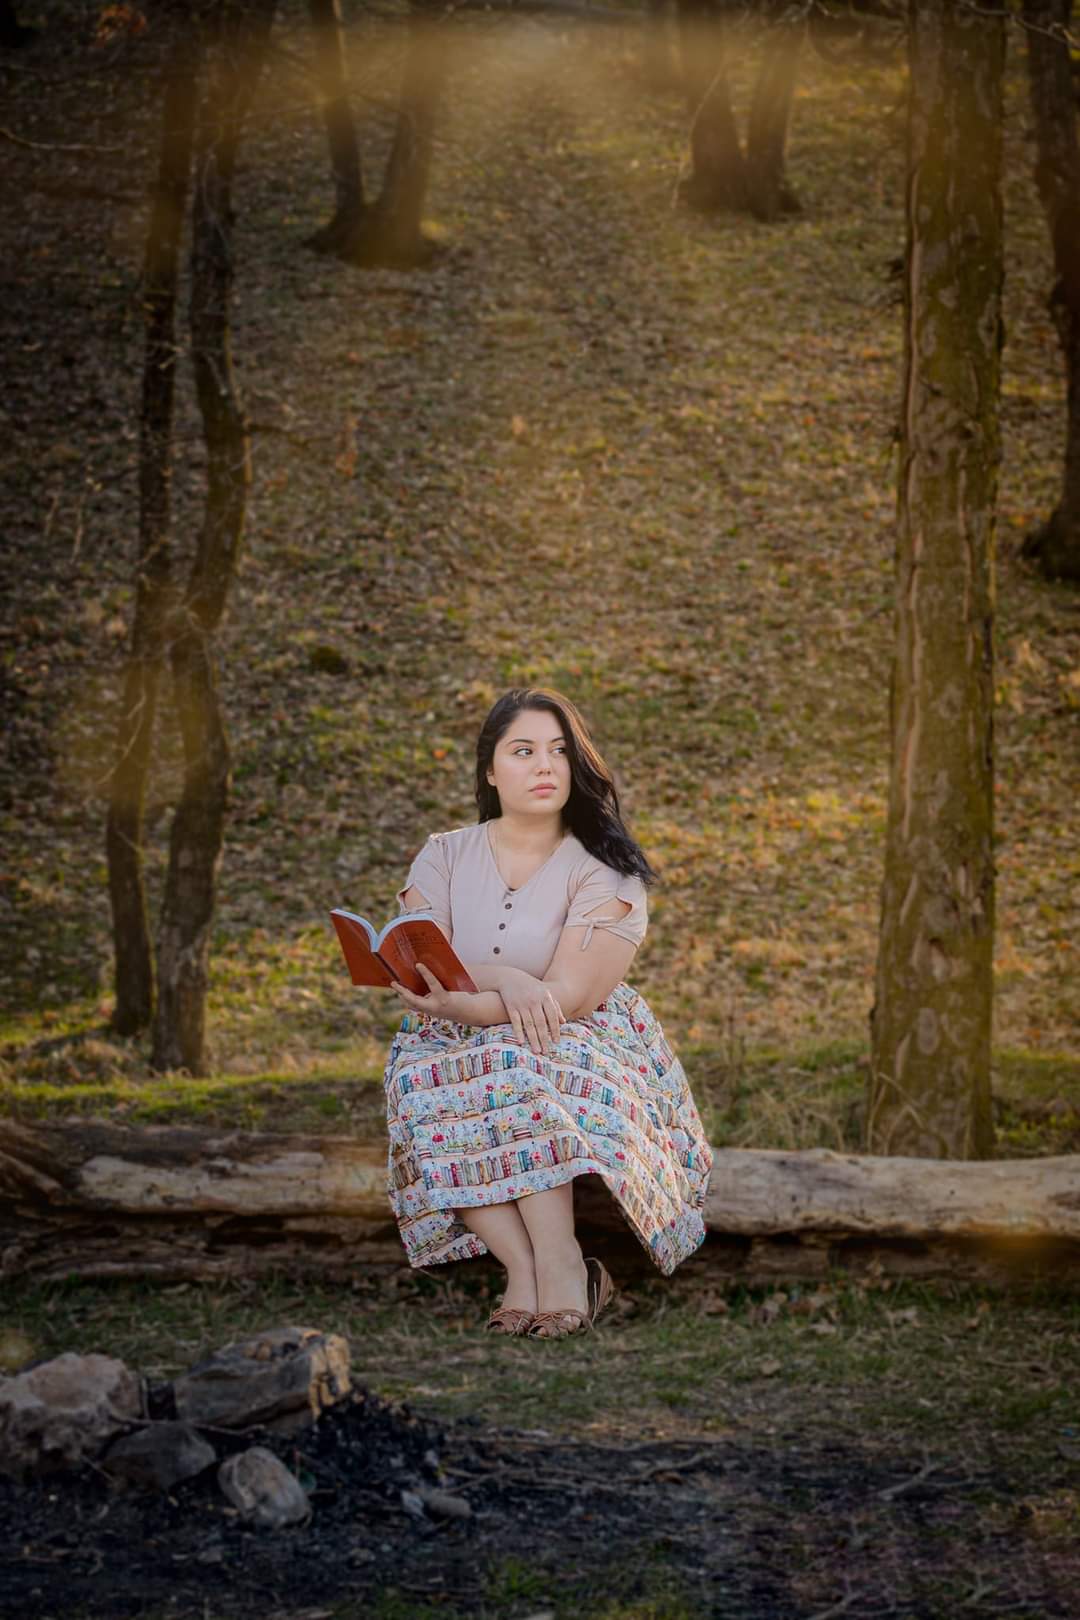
(57, 1413)
(281, 1379)
(262, 1488)
(444, 1504)
(160, 1455)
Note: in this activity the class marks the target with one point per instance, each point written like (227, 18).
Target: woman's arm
(581, 979)
(576, 982)
(505, 995)
(521, 1000)
(577, 979)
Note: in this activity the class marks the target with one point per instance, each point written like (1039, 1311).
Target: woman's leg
(548, 1218)
(502, 1229)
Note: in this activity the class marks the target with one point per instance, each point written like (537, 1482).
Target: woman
(555, 1067)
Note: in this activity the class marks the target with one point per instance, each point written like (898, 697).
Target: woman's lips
(548, 787)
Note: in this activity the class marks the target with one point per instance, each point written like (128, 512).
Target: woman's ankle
(565, 1255)
(520, 1289)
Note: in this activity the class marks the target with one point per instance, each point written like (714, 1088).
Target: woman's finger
(537, 1026)
(553, 1013)
(544, 1019)
(417, 1003)
(535, 1038)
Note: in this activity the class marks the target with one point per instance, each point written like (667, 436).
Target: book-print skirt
(476, 1119)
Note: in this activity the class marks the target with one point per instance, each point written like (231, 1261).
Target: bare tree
(350, 210)
(388, 229)
(722, 176)
(929, 1088)
(237, 45)
(768, 191)
(1055, 545)
(134, 974)
(717, 178)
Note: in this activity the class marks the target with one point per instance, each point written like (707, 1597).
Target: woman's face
(530, 768)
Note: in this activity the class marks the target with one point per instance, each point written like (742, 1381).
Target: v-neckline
(521, 886)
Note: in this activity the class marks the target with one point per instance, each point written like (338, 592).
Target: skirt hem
(666, 1251)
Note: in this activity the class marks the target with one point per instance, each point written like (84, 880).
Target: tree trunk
(392, 235)
(768, 194)
(198, 825)
(1056, 545)
(717, 178)
(88, 1199)
(134, 975)
(929, 1091)
(350, 209)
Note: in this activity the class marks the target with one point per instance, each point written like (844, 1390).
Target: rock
(160, 1455)
(281, 1380)
(444, 1504)
(260, 1485)
(413, 1504)
(55, 1414)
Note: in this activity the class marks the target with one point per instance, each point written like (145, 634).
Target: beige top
(487, 922)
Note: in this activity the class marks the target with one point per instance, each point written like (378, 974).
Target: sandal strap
(509, 1319)
(600, 1286)
(555, 1319)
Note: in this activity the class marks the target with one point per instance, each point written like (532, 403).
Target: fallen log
(93, 1199)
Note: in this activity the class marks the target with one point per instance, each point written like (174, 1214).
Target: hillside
(604, 445)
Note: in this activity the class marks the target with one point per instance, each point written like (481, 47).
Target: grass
(915, 1362)
(516, 1589)
(806, 1098)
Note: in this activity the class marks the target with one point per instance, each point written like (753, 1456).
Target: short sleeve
(600, 887)
(430, 873)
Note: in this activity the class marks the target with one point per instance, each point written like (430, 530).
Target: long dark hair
(592, 810)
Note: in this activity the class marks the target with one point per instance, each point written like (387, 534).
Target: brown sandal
(600, 1293)
(601, 1288)
(511, 1322)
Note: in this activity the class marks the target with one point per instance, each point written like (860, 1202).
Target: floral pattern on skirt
(476, 1119)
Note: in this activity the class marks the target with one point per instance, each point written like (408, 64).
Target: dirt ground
(770, 1529)
(777, 1454)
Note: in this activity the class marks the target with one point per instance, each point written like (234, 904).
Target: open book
(413, 937)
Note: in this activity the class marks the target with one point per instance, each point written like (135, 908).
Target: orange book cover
(393, 954)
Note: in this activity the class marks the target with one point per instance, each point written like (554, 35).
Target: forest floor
(867, 1450)
(604, 444)
(647, 458)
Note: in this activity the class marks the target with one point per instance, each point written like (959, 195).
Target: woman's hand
(534, 1012)
(438, 1003)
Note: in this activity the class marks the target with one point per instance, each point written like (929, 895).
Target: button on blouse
(464, 890)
